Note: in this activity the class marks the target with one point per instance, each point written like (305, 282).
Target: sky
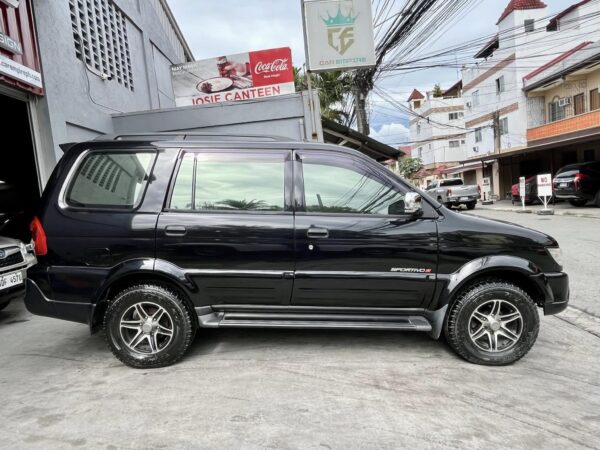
(216, 27)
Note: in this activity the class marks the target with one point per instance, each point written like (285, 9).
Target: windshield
(455, 182)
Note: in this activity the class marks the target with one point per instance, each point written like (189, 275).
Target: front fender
(492, 265)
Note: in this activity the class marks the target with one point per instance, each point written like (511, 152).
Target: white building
(437, 130)
(496, 105)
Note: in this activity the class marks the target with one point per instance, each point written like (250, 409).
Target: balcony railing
(565, 126)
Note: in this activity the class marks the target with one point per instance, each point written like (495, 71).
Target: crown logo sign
(339, 20)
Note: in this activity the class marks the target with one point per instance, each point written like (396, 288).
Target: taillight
(449, 193)
(39, 237)
(579, 178)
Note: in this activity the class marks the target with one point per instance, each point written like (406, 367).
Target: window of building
(100, 35)
(463, 142)
(579, 104)
(454, 144)
(420, 152)
(348, 188)
(230, 182)
(556, 111)
(418, 128)
(417, 104)
(500, 86)
(529, 25)
(589, 155)
(114, 180)
(475, 97)
(503, 126)
(455, 115)
(594, 100)
(478, 135)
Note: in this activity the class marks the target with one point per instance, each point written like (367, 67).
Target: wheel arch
(518, 271)
(138, 272)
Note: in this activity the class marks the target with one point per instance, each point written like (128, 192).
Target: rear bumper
(37, 303)
(463, 199)
(557, 285)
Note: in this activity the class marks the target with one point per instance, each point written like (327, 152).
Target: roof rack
(185, 136)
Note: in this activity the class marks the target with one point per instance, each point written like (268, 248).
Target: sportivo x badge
(410, 270)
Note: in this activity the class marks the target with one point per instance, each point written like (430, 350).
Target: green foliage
(408, 167)
(437, 91)
(334, 89)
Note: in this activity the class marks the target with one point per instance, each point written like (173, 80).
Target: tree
(437, 91)
(408, 167)
(333, 87)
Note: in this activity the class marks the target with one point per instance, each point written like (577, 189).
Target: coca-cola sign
(279, 65)
(232, 78)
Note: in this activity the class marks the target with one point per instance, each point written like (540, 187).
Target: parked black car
(15, 258)
(578, 183)
(153, 237)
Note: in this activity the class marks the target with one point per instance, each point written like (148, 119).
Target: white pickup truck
(454, 192)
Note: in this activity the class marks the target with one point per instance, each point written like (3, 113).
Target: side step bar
(313, 321)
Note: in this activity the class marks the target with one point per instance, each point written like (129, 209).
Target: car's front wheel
(493, 323)
(579, 202)
(4, 305)
(148, 326)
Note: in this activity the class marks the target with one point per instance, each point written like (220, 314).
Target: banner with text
(234, 78)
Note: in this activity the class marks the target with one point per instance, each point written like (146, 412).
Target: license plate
(10, 280)
(464, 199)
(563, 185)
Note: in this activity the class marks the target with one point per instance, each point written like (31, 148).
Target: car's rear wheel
(148, 326)
(492, 323)
(578, 202)
(4, 305)
(471, 205)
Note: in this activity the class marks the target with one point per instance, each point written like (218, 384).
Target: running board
(313, 321)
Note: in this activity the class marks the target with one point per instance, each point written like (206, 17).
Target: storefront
(20, 86)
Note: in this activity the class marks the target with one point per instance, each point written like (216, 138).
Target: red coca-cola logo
(271, 67)
(277, 65)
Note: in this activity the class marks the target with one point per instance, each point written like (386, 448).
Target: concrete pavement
(590, 211)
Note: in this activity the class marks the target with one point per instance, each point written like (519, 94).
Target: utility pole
(497, 136)
(360, 105)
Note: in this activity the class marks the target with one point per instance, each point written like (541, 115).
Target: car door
(228, 224)
(355, 247)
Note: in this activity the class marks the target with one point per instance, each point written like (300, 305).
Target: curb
(557, 212)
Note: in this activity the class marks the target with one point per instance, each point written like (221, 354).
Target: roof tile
(521, 4)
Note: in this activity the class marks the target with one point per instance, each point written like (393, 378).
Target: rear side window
(110, 180)
(445, 183)
(230, 182)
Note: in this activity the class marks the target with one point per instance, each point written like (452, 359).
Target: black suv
(578, 183)
(153, 237)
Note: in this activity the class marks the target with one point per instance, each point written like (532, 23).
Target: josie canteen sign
(234, 78)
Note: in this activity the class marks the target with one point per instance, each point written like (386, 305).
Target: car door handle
(318, 233)
(175, 230)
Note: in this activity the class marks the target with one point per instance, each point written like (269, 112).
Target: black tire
(471, 205)
(178, 315)
(4, 305)
(457, 324)
(578, 202)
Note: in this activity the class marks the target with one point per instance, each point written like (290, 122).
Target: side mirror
(413, 204)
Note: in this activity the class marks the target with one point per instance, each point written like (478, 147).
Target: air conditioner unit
(564, 101)
(475, 149)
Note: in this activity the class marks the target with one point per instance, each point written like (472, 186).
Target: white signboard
(20, 72)
(339, 34)
(522, 187)
(544, 185)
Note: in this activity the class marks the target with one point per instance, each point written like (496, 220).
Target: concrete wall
(286, 116)
(78, 104)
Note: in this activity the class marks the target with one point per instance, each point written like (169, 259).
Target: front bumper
(557, 297)
(37, 303)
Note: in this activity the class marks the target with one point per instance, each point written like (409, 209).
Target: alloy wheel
(495, 326)
(146, 328)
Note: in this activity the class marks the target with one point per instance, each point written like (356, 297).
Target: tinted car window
(110, 180)
(230, 182)
(445, 183)
(329, 188)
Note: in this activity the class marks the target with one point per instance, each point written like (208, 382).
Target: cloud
(393, 134)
